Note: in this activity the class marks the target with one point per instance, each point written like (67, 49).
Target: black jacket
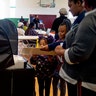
(57, 22)
(82, 51)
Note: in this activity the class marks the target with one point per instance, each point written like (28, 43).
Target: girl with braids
(45, 65)
(64, 27)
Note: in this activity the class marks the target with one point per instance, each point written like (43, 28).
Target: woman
(80, 62)
(77, 9)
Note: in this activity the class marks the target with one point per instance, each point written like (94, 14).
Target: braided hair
(48, 39)
(67, 23)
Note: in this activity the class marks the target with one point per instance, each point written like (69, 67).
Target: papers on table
(40, 31)
(27, 37)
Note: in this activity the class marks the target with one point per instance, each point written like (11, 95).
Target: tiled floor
(51, 91)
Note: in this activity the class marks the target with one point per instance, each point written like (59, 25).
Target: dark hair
(29, 27)
(90, 3)
(75, 1)
(49, 39)
(43, 38)
(66, 22)
(25, 23)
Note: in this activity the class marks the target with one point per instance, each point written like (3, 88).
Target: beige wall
(26, 7)
(4, 8)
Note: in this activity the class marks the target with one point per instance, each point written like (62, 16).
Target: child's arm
(52, 46)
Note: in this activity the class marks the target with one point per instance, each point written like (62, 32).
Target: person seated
(20, 29)
(25, 25)
(31, 30)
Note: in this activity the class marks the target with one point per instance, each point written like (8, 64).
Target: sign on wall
(47, 3)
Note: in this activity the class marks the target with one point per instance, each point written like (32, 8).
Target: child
(45, 66)
(64, 27)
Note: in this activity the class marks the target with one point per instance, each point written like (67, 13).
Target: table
(28, 37)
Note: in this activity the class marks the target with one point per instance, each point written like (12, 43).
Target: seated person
(20, 29)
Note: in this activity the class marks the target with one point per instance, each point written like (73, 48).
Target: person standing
(58, 21)
(21, 19)
(36, 21)
(62, 30)
(80, 58)
(45, 65)
(77, 9)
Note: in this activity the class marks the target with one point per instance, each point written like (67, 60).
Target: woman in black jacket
(80, 54)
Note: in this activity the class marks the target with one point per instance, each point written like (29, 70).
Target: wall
(4, 8)
(26, 7)
(16, 20)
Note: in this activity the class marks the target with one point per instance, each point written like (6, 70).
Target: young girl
(45, 66)
(64, 27)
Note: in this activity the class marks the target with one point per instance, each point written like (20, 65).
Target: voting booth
(18, 80)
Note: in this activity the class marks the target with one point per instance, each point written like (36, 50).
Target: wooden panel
(36, 51)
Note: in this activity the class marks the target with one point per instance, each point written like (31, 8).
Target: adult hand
(59, 50)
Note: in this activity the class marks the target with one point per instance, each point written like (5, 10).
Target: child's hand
(44, 48)
(59, 50)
